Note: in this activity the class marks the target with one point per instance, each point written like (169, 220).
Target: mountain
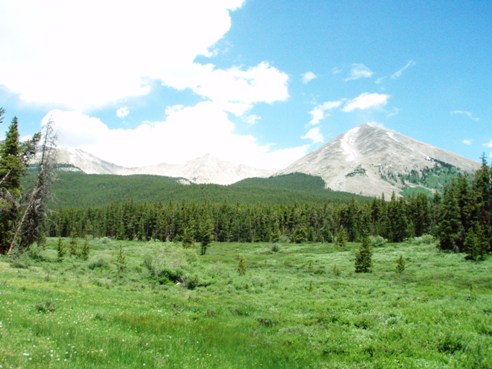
(205, 169)
(76, 160)
(371, 160)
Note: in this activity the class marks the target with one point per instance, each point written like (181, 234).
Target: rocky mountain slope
(371, 160)
(366, 160)
(205, 169)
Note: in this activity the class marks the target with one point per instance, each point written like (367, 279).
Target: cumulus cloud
(315, 135)
(399, 72)
(234, 90)
(359, 71)
(465, 113)
(467, 141)
(90, 53)
(318, 113)
(180, 136)
(366, 101)
(123, 112)
(308, 77)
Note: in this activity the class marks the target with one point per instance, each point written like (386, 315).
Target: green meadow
(131, 304)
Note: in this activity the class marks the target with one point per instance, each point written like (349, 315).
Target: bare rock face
(371, 160)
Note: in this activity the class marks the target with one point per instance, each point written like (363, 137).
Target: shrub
(378, 241)
(98, 264)
(425, 239)
(48, 307)
(275, 247)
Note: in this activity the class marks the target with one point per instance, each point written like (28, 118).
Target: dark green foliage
(60, 249)
(206, 235)
(363, 257)
(11, 170)
(241, 269)
(400, 265)
(341, 238)
(465, 215)
(120, 260)
(85, 250)
(81, 190)
(74, 245)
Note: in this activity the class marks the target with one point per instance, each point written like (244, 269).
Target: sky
(256, 82)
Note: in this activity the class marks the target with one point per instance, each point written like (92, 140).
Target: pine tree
(450, 229)
(85, 250)
(241, 266)
(341, 238)
(400, 264)
(11, 170)
(363, 257)
(206, 234)
(60, 249)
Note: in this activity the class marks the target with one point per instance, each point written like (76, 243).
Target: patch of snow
(347, 144)
(392, 136)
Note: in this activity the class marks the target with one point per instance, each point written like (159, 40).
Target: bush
(378, 241)
(425, 239)
(98, 264)
(275, 247)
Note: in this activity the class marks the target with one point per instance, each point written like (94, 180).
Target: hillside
(75, 189)
(371, 160)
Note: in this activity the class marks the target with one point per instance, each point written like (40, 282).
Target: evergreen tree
(85, 250)
(341, 238)
(363, 257)
(60, 249)
(241, 266)
(450, 229)
(11, 170)
(206, 234)
(400, 264)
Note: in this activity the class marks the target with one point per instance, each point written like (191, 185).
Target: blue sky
(258, 82)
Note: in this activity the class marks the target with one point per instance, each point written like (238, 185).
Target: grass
(296, 306)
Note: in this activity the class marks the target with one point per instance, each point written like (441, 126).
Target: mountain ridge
(370, 160)
(367, 160)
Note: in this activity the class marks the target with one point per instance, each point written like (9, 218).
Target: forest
(459, 218)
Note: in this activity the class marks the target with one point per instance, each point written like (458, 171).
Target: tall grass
(171, 308)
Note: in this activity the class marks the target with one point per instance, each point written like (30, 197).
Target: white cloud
(308, 77)
(123, 112)
(314, 134)
(399, 72)
(234, 90)
(366, 101)
(467, 141)
(489, 144)
(467, 114)
(90, 53)
(252, 119)
(184, 134)
(359, 71)
(318, 113)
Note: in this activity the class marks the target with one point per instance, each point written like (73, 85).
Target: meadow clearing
(132, 304)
